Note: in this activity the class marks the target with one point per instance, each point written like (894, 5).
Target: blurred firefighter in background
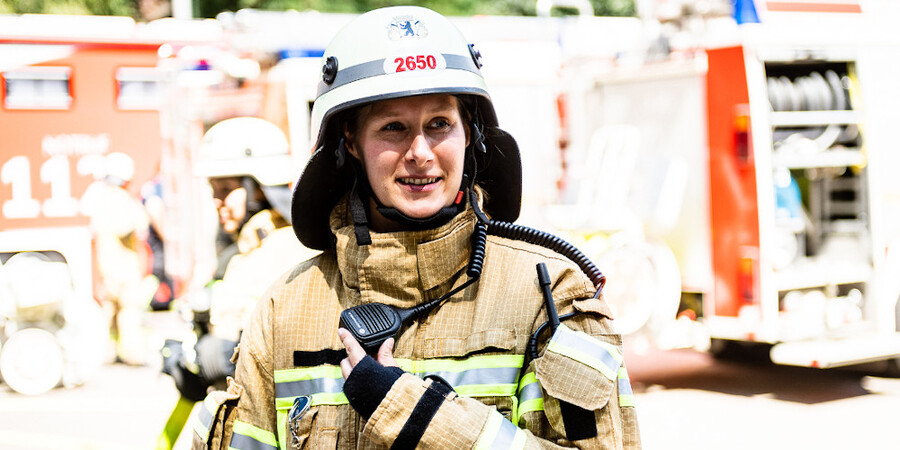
(119, 224)
(247, 163)
(152, 199)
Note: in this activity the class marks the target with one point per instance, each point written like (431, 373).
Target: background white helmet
(245, 146)
(118, 168)
(389, 53)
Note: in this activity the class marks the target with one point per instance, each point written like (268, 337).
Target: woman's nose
(420, 150)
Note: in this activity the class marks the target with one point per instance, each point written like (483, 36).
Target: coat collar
(402, 268)
(257, 228)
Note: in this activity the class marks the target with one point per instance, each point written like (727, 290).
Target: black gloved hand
(368, 384)
(190, 385)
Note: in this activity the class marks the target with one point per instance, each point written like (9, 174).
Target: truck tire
(31, 362)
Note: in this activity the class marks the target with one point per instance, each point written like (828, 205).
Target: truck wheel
(644, 288)
(752, 352)
(31, 362)
(893, 367)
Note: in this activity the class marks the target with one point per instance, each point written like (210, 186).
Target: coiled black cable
(532, 236)
(547, 240)
(479, 241)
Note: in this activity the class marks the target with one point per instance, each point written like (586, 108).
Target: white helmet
(389, 53)
(118, 168)
(245, 146)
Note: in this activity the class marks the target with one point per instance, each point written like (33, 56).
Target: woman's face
(230, 199)
(413, 150)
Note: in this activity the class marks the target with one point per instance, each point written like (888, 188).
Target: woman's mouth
(418, 181)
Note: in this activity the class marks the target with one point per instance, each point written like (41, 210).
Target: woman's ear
(349, 143)
(468, 129)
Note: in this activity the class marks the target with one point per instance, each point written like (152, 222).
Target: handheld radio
(373, 323)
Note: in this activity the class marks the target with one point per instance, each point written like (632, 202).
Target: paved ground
(686, 400)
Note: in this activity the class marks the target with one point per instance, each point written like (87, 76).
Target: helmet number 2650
(417, 62)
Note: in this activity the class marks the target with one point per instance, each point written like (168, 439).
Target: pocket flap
(580, 369)
(494, 339)
(594, 305)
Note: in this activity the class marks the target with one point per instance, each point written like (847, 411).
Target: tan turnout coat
(475, 340)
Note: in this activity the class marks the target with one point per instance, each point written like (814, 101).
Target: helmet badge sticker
(405, 27)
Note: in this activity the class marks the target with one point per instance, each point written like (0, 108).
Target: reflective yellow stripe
(486, 390)
(528, 406)
(324, 384)
(249, 437)
(281, 422)
(530, 396)
(604, 357)
(324, 398)
(308, 373)
(455, 365)
(626, 395)
(478, 376)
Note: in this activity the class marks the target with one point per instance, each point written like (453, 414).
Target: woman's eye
(440, 123)
(393, 126)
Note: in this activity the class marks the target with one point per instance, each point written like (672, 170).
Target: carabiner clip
(297, 411)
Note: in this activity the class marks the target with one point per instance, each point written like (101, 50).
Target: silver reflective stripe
(531, 398)
(479, 376)
(500, 434)
(241, 442)
(353, 73)
(531, 391)
(309, 387)
(588, 350)
(626, 395)
(202, 419)
(460, 62)
(375, 68)
(496, 375)
(624, 384)
(506, 435)
(249, 437)
(205, 416)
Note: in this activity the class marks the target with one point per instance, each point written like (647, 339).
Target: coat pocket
(317, 427)
(297, 420)
(580, 369)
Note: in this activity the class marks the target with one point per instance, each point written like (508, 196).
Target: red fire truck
(760, 159)
(73, 90)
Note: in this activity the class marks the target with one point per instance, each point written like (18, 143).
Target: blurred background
(728, 164)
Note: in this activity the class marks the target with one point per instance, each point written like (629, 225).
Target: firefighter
(247, 163)
(409, 172)
(118, 224)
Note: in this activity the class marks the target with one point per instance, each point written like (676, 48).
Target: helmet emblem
(406, 26)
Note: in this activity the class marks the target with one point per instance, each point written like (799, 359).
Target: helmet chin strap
(439, 218)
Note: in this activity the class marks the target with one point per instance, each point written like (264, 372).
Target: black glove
(368, 384)
(190, 385)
